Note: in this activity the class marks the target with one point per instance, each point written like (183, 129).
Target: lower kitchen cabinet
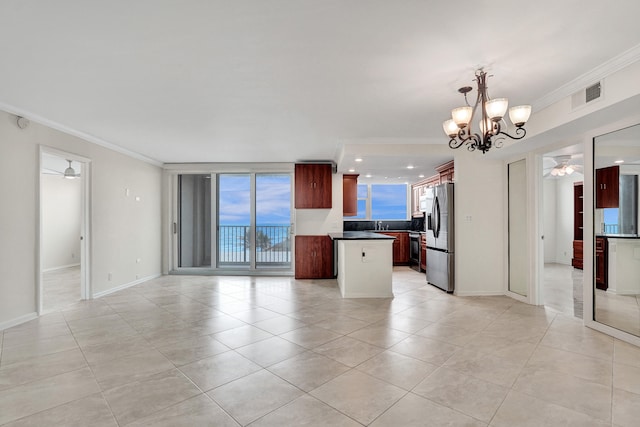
(314, 257)
(400, 247)
(601, 263)
(576, 261)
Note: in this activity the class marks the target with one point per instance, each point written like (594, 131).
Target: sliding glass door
(234, 220)
(273, 221)
(249, 222)
(194, 219)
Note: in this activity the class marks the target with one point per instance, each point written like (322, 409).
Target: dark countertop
(619, 236)
(359, 235)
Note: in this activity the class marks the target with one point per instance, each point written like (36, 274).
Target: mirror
(617, 243)
(517, 211)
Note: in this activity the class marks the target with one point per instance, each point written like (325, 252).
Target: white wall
(123, 229)
(558, 218)
(564, 217)
(479, 217)
(550, 228)
(61, 215)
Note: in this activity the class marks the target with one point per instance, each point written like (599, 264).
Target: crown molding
(616, 63)
(79, 134)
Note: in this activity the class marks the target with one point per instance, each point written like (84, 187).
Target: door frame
(171, 223)
(85, 224)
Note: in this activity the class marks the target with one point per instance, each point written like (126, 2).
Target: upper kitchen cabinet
(313, 186)
(446, 172)
(608, 187)
(350, 195)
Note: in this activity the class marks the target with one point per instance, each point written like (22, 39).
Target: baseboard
(478, 294)
(126, 285)
(18, 320)
(46, 270)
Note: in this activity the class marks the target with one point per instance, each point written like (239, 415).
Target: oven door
(414, 251)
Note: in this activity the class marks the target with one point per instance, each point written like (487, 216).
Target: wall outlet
(138, 260)
(109, 276)
(127, 192)
(73, 255)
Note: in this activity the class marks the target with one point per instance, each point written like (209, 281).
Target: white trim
(126, 285)
(596, 74)
(479, 293)
(615, 333)
(83, 135)
(18, 321)
(61, 267)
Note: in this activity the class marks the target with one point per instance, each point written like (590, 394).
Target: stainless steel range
(414, 250)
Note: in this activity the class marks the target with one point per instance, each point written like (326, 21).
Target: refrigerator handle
(436, 214)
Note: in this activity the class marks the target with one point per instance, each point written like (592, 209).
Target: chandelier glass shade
(491, 113)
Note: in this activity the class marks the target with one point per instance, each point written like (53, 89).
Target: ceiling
(290, 80)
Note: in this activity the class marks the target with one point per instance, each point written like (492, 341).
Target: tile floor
(60, 288)
(563, 289)
(228, 351)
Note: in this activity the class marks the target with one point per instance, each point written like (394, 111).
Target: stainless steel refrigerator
(439, 225)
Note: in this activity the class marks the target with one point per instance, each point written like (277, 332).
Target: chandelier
(491, 123)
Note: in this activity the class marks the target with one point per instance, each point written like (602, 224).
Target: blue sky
(388, 201)
(273, 199)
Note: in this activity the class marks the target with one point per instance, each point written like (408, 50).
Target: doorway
(562, 195)
(63, 237)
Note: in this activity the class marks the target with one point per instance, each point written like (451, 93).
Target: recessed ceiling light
(358, 159)
(619, 161)
(368, 175)
(410, 167)
(421, 176)
(352, 170)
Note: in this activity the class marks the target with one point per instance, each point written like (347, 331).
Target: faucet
(379, 225)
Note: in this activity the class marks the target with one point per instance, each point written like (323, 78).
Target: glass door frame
(171, 225)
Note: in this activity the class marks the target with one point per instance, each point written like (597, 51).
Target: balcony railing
(273, 245)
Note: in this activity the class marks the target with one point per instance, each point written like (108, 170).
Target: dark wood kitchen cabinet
(423, 252)
(314, 257)
(446, 172)
(313, 186)
(577, 259)
(608, 187)
(400, 247)
(601, 263)
(349, 195)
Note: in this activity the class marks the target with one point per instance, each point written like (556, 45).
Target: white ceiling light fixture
(358, 159)
(70, 173)
(491, 114)
(560, 166)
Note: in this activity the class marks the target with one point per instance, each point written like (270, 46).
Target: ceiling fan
(558, 166)
(69, 172)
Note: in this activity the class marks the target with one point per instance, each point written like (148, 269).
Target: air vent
(586, 95)
(592, 92)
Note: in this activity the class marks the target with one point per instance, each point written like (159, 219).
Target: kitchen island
(365, 264)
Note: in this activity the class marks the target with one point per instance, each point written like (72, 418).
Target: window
(382, 202)
(611, 220)
(247, 227)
